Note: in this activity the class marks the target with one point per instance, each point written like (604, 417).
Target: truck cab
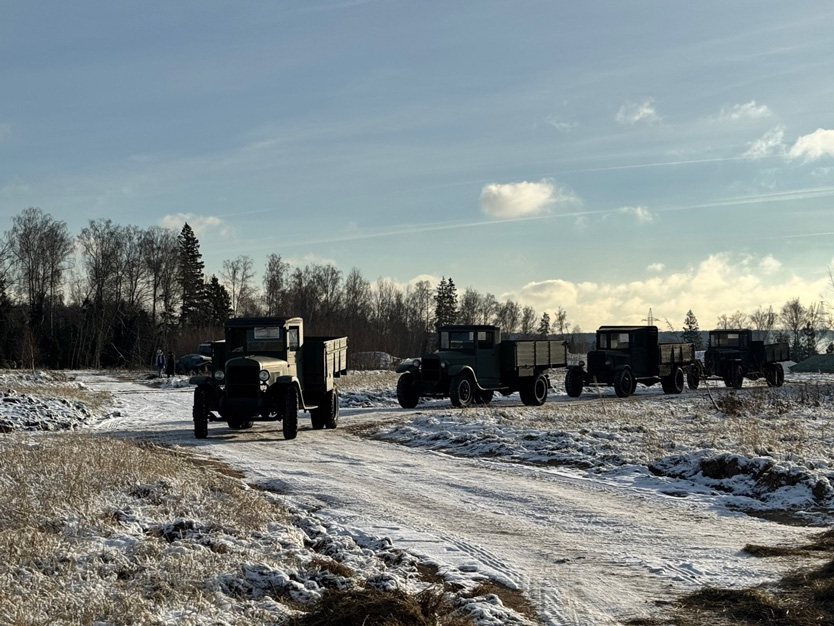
(265, 369)
(626, 355)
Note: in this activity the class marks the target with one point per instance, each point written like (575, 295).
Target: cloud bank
(631, 113)
(720, 284)
(200, 224)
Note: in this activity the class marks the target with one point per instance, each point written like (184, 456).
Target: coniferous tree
(691, 332)
(192, 282)
(446, 303)
(219, 302)
(544, 326)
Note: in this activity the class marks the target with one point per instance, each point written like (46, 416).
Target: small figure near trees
(169, 365)
(159, 362)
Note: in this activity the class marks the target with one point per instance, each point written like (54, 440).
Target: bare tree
(39, 248)
(275, 285)
(487, 310)
(763, 321)
(560, 322)
(237, 278)
(508, 317)
(160, 257)
(528, 322)
(471, 304)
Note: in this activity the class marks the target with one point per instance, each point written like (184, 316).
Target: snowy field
(596, 508)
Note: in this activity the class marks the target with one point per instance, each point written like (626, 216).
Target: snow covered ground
(596, 508)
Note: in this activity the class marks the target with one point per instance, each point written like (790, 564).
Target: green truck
(267, 370)
(473, 362)
(734, 355)
(626, 355)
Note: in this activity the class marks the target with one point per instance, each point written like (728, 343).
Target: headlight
(443, 365)
(416, 363)
(219, 375)
(263, 376)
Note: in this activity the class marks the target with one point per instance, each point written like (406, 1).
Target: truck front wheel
(407, 394)
(624, 383)
(693, 376)
(573, 383)
(775, 375)
(461, 390)
(673, 383)
(290, 423)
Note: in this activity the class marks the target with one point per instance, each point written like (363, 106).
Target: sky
(609, 158)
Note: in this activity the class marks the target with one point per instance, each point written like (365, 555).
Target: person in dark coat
(169, 365)
(159, 362)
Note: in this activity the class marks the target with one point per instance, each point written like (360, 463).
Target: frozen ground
(597, 508)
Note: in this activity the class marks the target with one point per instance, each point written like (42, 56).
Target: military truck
(734, 355)
(266, 370)
(473, 362)
(627, 355)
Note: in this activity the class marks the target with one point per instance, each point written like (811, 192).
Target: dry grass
(362, 380)
(60, 388)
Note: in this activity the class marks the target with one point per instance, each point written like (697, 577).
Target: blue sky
(605, 157)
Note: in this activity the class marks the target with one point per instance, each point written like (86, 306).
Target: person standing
(159, 362)
(169, 364)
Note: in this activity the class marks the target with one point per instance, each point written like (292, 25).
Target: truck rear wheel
(775, 375)
(290, 423)
(407, 394)
(693, 376)
(461, 390)
(573, 383)
(326, 415)
(624, 383)
(200, 414)
(673, 383)
(533, 390)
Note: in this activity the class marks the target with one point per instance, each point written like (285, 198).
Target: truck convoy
(473, 362)
(734, 355)
(267, 370)
(627, 355)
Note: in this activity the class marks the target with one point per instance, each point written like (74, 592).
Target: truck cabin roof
(623, 329)
(465, 327)
(249, 322)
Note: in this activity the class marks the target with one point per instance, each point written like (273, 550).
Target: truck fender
(212, 391)
(457, 369)
(290, 381)
(409, 365)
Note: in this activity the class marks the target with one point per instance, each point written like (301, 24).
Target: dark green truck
(473, 362)
(267, 370)
(734, 355)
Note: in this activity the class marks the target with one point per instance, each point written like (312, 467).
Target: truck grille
(596, 361)
(242, 382)
(431, 369)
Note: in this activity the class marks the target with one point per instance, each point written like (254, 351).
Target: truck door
(487, 359)
(643, 361)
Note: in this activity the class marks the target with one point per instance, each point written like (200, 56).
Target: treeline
(111, 295)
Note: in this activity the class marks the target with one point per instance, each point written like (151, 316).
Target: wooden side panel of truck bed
(325, 358)
(528, 354)
(676, 353)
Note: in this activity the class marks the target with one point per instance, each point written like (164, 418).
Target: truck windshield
(457, 340)
(724, 340)
(259, 339)
(613, 341)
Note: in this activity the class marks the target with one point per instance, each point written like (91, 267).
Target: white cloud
(769, 143)
(640, 212)
(719, 284)
(524, 199)
(631, 113)
(656, 267)
(200, 224)
(748, 111)
(560, 125)
(811, 147)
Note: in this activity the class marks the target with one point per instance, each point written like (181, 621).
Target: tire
(534, 390)
(462, 390)
(200, 414)
(573, 383)
(737, 377)
(693, 377)
(290, 422)
(775, 375)
(673, 383)
(407, 394)
(240, 424)
(485, 396)
(623, 383)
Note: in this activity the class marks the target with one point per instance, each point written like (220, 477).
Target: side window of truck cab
(486, 340)
(292, 338)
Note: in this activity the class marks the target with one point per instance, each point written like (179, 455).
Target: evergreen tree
(691, 332)
(446, 303)
(544, 326)
(192, 282)
(219, 302)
